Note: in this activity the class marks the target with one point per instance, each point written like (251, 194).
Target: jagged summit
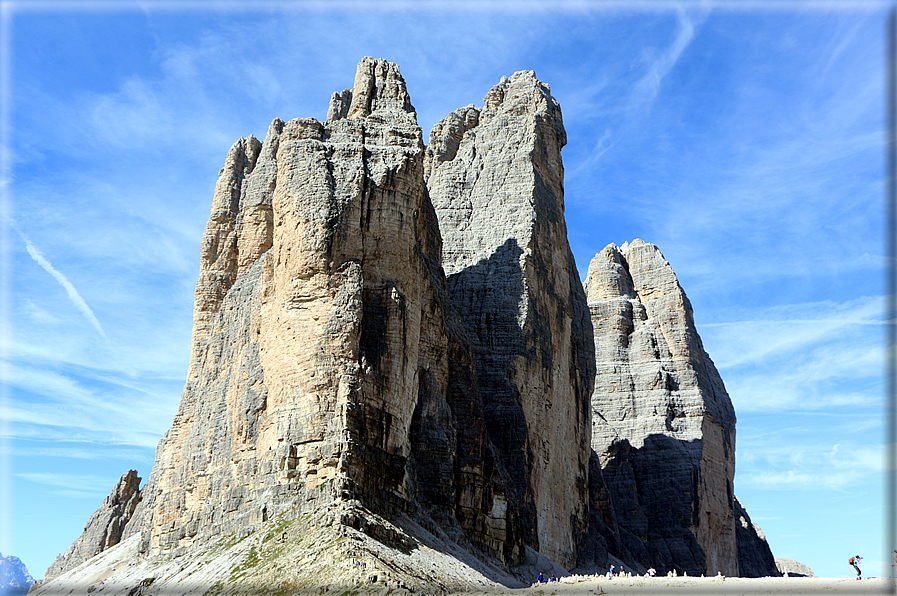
(378, 87)
(394, 362)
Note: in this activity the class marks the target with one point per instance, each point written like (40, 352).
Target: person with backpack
(855, 561)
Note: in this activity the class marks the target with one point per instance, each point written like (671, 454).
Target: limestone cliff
(105, 527)
(663, 426)
(495, 177)
(327, 363)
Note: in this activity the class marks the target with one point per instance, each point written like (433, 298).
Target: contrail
(74, 296)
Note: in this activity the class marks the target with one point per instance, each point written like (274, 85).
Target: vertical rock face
(663, 425)
(105, 527)
(496, 181)
(327, 360)
(754, 556)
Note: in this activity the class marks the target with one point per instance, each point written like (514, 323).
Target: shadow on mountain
(487, 297)
(648, 508)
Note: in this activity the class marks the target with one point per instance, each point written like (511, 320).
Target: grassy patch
(225, 543)
(278, 530)
(252, 560)
(215, 590)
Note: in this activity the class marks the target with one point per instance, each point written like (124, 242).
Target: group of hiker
(614, 571)
(651, 572)
(541, 579)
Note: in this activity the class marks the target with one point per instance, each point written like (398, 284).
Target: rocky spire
(663, 426)
(496, 180)
(379, 87)
(346, 400)
(328, 364)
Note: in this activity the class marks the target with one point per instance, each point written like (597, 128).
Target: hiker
(855, 561)
(652, 572)
(612, 571)
(539, 579)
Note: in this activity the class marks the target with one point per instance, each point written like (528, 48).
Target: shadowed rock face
(496, 180)
(754, 556)
(105, 527)
(663, 426)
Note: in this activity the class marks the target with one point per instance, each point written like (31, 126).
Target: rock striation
(496, 180)
(663, 427)
(105, 527)
(393, 360)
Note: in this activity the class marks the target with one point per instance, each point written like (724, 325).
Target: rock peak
(656, 393)
(496, 180)
(378, 86)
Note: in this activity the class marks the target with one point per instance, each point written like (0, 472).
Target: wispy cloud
(70, 485)
(647, 88)
(80, 409)
(808, 356)
(68, 452)
(73, 294)
(770, 332)
(792, 465)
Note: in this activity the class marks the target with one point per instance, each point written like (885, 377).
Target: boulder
(793, 568)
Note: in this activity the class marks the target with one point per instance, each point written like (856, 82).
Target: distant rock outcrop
(14, 576)
(793, 568)
(105, 527)
(393, 364)
(496, 179)
(663, 427)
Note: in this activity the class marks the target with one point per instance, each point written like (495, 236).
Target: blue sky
(742, 138)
